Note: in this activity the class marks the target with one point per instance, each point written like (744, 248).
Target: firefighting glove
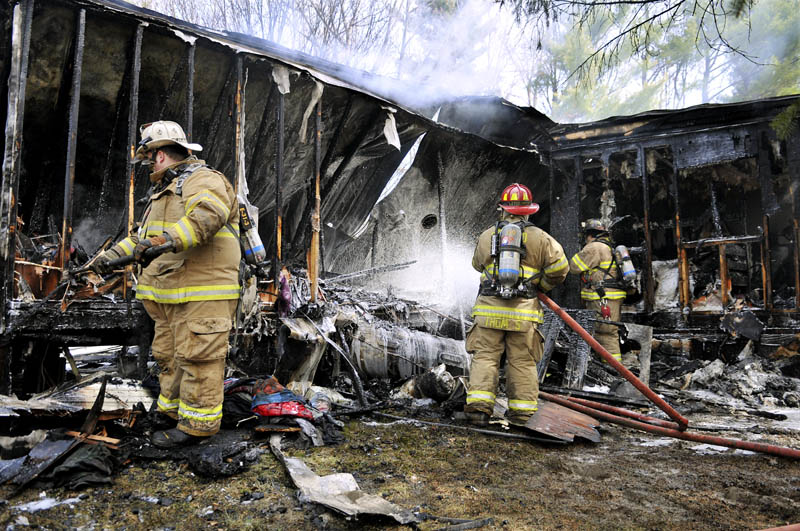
(143, 252)
(102, 264)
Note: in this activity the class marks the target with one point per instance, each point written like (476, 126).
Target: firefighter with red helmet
(601, 289)
(515, 259)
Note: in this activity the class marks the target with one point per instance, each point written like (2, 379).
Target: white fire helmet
(161, 133)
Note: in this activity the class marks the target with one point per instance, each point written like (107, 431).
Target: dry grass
(615, 484)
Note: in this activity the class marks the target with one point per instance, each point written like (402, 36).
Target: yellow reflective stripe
(186, 232)
(523, 405)
(504, 315)
(155, 228)
(535, 316)
(480, 396)
(157, 224)
(580, 264)
(505, 310)
(611, 294)
(209, 197)
(224, 232)
(558, 266)
(126, 246)
(166, 404)
(544, 285)
(200, 414)
(188, 293)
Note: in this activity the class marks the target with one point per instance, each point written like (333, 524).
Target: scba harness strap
(185, 173)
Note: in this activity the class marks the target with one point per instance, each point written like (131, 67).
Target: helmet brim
(521, 210)
(140, 153)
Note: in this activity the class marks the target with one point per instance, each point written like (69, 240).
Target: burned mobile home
(706, 197)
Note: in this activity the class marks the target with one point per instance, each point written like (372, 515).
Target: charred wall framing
(709, 195)
(99, 69)
(17, 62)
(67, 160)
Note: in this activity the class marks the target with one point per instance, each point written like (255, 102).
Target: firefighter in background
(601, 289)
(507, 313)
(190, 293)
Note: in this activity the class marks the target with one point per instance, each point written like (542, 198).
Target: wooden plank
(563, 423)
(97, 438)
(275, 428)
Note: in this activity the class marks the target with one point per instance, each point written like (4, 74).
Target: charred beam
(766, 274)
(769, 206)
(17, 83)
(723, 276)
(793, 152)
(683, 263)
(276, 269)
(190, 52)
(238, 117)
(723, 241)
(133, 118)
(715, 209)
(649, 295)
(72, 137)
(796, 246)
(316, 221)
(326, 161)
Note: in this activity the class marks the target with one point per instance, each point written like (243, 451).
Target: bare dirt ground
(629, 480)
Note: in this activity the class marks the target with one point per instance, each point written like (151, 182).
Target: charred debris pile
(705, 197)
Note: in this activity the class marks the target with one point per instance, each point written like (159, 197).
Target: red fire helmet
(517, 199)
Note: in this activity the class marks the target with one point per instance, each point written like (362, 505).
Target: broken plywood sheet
(556, 421)
(563, 423)
(121, 395)
(12, 407)
(337, 491)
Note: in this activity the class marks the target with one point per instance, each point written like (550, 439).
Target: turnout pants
(523, 350)
(190, 345)
(607, 334)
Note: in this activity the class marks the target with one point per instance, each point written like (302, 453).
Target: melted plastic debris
(44, 503)
(709, 449)
(658, 442)
(597, 389)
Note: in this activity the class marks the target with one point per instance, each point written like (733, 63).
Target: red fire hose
(625, 413)
(669, 432)
(628, 375)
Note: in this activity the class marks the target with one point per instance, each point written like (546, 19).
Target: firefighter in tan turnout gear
(601, 289)
(515, 259)
(190, 293)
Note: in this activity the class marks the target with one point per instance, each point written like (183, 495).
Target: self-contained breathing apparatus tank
(510, 253)
(625, 265)
(252, 247)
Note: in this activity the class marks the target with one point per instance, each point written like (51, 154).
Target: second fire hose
(628, 375)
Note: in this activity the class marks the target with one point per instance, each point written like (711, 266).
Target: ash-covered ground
(629, 480)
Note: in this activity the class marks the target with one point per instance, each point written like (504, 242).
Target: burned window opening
(429, 221)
